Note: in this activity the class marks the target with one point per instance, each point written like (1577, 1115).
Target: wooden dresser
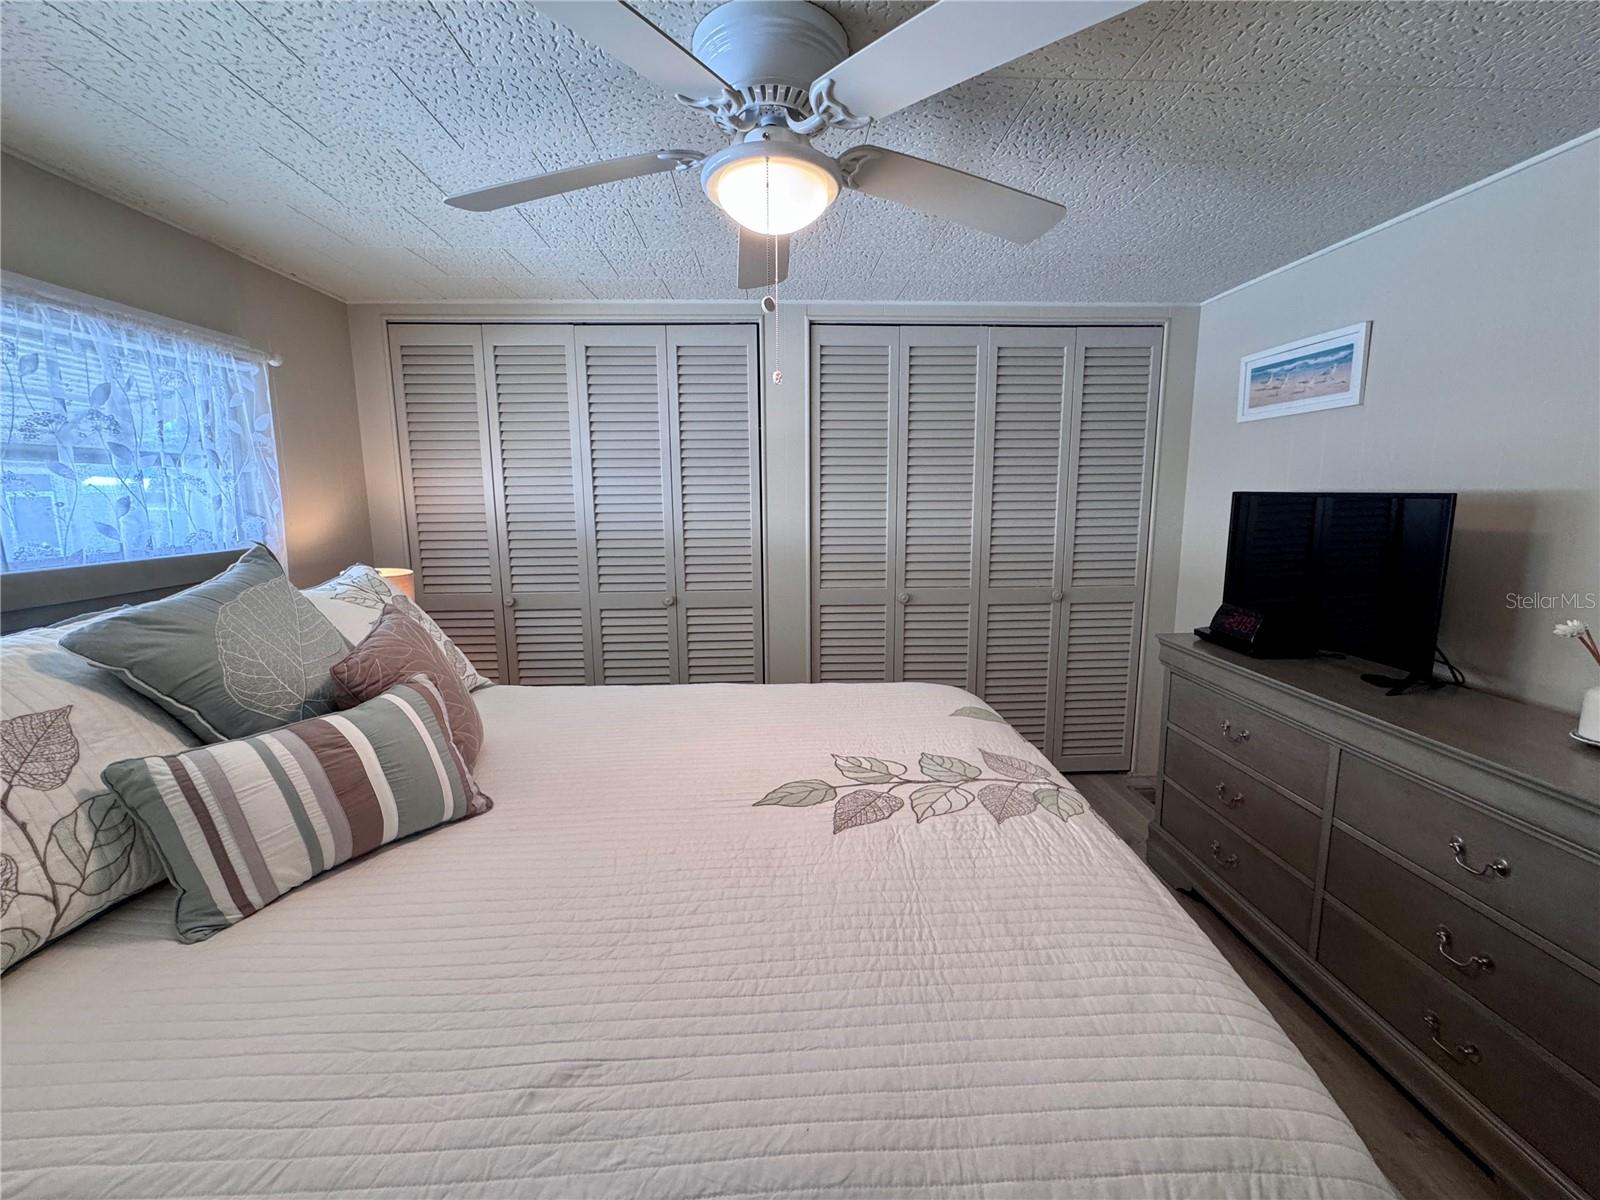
(1425, 867)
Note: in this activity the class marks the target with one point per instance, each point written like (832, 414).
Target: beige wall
(56, 231)
(785, 440)
(1483, 378)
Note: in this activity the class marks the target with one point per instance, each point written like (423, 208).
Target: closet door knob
(905, 597)
(668, 601)
(510, 601)
(1058, 596)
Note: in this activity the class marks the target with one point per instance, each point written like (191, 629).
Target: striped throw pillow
(238, 824)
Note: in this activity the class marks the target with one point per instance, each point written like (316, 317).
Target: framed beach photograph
(1325, 371)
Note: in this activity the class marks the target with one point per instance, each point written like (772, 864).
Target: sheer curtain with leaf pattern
(126, 438)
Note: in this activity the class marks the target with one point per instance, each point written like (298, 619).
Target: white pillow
(68, 849)
(353, 600)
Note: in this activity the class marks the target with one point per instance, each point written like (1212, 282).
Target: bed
(690, 952)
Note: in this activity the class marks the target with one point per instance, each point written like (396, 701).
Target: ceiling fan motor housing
(771, 50)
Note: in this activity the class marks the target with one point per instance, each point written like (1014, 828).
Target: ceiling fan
(772, 74)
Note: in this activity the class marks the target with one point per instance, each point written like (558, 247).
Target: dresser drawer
(1552, 1003)
(1553, 892)
(1288, 829)
(1269, 888)
(1552, 1108)
(1288, 756)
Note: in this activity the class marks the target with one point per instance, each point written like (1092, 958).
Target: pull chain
(771, 304)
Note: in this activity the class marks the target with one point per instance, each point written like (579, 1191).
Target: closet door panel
(622, 385)
(1116, 382)
(1115, 379)
(636, 645)
(442, 419)
(939, 391)
(853, 369)
(721, 645)
(549, 645)
(1022, 570)
(851, 642)
(1015, 674)
(715, 465)
(626, 454)
(1097, 700)
(543, 507)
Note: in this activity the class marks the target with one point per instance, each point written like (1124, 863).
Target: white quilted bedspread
(629, 980)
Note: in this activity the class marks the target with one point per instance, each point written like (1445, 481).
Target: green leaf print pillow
(240, 654)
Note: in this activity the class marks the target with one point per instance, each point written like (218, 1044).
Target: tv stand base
(1400, 684)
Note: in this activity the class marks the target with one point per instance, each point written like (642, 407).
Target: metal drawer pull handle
(1227, 732)
(1467, 966)
(1232, 801)
(1466, 1052)
(1228, 861)
(1498, 867)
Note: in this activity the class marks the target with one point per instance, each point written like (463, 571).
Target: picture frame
(1327, 370)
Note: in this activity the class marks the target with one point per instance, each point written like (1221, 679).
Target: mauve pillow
(398, 648)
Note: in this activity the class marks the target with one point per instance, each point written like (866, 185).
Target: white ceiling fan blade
(763, 260)
(535, 187)
(946, 192)
(951, 41)
(632, 39)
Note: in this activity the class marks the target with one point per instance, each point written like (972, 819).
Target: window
(126, 437)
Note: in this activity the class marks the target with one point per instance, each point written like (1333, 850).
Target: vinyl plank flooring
(1421, 1160)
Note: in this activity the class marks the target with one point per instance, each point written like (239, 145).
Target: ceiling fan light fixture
(771, 187)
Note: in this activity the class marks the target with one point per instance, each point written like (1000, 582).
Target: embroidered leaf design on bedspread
(89, 849)
(8, 882)
(946, 769)
(1006, 800)
(38, 750)
(863, 808)
(1012, 768)
(1008, 787)
(868, 770)
(1062, 804)
(979, 714)
(276, 650)
(802, 793)
(936, 799)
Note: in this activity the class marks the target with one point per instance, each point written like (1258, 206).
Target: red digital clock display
(1238, 622)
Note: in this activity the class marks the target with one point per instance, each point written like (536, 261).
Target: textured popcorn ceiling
(1194, 144)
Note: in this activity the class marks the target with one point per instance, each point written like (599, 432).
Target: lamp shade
(771, 188)
(401, 579)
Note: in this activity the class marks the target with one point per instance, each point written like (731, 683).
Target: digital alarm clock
(1251, 631)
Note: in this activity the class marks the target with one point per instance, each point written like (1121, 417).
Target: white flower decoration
(1571, 629)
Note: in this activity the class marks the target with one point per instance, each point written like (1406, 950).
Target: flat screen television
(1356, 573)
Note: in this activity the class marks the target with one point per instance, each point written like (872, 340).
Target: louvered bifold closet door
(1114, 379)
(442, 415)
(854, 370)
(535, 419)
(942, 377)
(1029, 441)
(714, 418)
(627, 455)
